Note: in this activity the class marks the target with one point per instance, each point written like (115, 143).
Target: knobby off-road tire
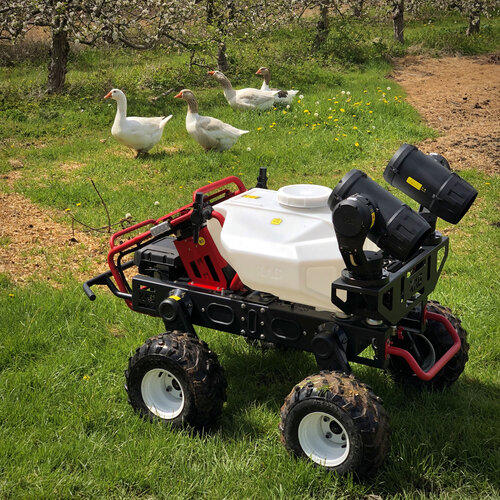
(441, 341)
(177, 379)
(337, 422)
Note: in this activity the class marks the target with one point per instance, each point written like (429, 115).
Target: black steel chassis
(372, 312)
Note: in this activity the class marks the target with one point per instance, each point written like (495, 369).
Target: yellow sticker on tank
(276, 222)
(412, 182)
(250, 196)
(201, 241)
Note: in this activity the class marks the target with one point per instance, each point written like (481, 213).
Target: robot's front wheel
(337, 423)
(175, 378)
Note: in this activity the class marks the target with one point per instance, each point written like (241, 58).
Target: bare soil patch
(34, 246)
(459, 96)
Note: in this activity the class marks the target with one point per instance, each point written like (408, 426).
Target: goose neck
(192, 105)
(121, 108)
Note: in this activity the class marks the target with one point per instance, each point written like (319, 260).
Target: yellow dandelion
(330, 117)
(259, 128)
(336, 138)
(67, 209)
(78, 204)
(11, 295)
(355, 128)
(86, 377)
(356, 144)
(368, 103)
(342, 110)
(335, 119)
(336, 102)
(370, 111)
(284, 111)
(344, 135)
(180, 187)
(298, 101)
(306, 111)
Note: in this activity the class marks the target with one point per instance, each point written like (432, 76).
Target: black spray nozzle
(428, 180)
(396, 228)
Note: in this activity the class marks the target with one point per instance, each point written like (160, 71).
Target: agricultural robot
(344, 274)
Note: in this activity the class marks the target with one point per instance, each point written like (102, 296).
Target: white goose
(283, 96)
(209, 132)
(244, 99)
(136, 132)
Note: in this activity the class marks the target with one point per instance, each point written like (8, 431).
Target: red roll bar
(174, 218)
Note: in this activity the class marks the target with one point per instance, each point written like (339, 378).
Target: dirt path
(460, 97)
(33, 246)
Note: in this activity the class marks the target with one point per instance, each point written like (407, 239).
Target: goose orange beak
(178, 96)
(107, 96)
(210, 73)
(258, 72)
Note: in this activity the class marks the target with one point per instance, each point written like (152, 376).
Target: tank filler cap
(304, 196)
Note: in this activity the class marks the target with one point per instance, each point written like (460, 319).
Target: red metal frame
(232, 179)
(176, 217)
(438, 365)
(194, 258)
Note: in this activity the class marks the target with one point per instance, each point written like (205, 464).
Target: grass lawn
(66, 429)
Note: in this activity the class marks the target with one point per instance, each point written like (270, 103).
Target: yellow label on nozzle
(412, 182)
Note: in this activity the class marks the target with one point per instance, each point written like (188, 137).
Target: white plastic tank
(282, 242)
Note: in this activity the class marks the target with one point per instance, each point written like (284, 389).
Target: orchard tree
(472, 9)
(398, 22)
(136, 23)
(226, 19)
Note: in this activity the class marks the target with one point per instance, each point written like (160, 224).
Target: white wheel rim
(162, 393)
(323, 439)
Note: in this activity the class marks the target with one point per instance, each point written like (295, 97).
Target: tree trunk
(357, 8)
(222, 63)
(321, 26)
(59, 52)
(474, 23)
(210, 12)
(398, 20)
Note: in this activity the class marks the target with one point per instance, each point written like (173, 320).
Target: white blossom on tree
(136, 23)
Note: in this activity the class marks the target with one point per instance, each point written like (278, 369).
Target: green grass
(66, 429)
